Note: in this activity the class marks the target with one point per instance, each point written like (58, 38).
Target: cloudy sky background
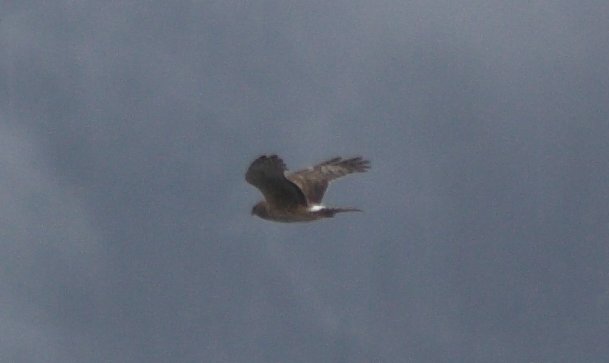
(126, 127)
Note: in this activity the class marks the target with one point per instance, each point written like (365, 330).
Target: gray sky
(126, 128)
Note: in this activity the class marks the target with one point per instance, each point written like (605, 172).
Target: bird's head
(260, 209)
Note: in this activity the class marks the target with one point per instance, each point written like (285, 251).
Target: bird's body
(296, 197)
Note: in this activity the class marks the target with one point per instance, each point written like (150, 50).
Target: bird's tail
(330, 212)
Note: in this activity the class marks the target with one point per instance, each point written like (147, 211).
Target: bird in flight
(296, 197)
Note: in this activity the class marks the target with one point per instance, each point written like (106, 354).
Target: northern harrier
(296, 197)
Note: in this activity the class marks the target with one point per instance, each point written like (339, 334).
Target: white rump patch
(316, 208)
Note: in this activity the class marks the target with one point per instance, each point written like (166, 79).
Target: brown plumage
(296, 197)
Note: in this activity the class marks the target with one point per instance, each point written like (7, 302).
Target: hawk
(296, 197)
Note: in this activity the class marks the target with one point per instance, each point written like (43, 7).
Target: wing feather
(267, 173)
(315, 180)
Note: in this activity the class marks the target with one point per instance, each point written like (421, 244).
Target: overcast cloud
(125, 227)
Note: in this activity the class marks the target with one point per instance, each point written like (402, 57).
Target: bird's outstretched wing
(267, 173)
(314, 181)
